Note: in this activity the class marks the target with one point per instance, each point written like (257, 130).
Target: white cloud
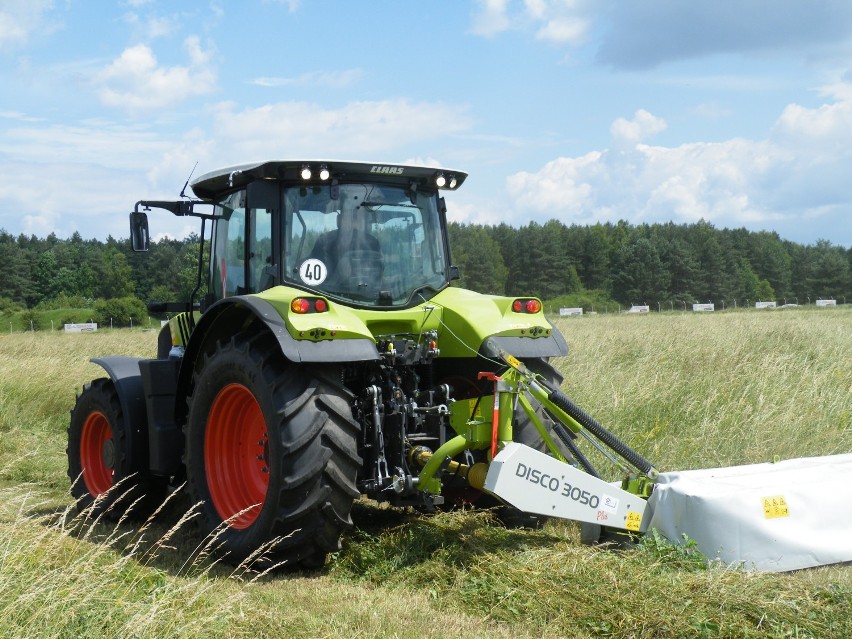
(554, 21)
(86, 177)
(19, 19)
(631, 132)
(135, 81)
(567, 30)
(17, 115)
(800, 172)
(332, 79)
(490, 18)
(564, 185)
(357, 130)
(99, 198)
(96, 142)
(828, 124)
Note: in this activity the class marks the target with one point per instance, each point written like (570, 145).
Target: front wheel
(107, 460)
(271, 454)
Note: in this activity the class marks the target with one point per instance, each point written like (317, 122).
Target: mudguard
(227, 315)
(125, 375)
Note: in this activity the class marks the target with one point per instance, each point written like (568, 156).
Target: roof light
(306, 172)
(440, 180)
(453, 182)
(324, 173)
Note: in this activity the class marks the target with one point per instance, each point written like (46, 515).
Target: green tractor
(324, 356)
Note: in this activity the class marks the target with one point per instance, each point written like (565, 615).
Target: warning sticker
(775, 506)
(634, 520)
(513, 362)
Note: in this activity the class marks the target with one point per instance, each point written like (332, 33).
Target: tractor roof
(211, 184)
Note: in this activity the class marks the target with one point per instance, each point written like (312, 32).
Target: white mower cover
(537, 483)
(775, 517)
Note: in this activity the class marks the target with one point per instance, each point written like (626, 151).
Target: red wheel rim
(97, 455)
(236, 456)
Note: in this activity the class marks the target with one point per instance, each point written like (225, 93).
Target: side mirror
(455, 273)
(139, 238)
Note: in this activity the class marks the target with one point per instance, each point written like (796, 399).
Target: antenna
(185, 184)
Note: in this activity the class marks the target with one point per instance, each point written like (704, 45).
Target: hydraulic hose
(565, 438)
(587, 422)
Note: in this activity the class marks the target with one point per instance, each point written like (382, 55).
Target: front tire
(271, 454)
(107, 461)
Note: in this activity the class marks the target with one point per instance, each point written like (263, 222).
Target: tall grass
(684, 390)
(694, 390)
(39, 375)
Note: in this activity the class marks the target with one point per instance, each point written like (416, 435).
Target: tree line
(658, 264)
(44, 273)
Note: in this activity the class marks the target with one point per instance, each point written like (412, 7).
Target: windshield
(366, 243)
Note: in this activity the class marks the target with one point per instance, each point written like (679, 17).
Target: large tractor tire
(271, 455)
(523, 430)
(107, 460)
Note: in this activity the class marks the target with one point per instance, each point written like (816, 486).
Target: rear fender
(229, 316)
(125, 376)
(488, 324)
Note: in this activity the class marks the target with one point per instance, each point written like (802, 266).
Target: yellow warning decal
(634, 520)
(512, 361)
(775, 506)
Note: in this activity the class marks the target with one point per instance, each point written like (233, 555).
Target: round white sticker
(313, 272)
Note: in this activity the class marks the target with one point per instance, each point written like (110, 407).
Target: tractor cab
(363, 234)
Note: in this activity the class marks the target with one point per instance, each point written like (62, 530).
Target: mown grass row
(686, 391)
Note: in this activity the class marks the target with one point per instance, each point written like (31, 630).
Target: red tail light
(303, 305)
(526, 306)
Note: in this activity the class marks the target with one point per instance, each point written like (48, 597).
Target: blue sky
(586, 111)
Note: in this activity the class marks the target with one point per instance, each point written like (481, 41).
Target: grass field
(686, 390)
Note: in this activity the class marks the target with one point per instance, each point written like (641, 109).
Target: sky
(735, 112)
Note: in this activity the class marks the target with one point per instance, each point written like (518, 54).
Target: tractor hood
(467, 323)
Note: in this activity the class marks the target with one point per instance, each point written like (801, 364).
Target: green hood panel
(473, 317)
(463, 320)
(345, 322)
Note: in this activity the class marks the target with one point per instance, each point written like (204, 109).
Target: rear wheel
(271, 454)
(523, 430)
(107, 462)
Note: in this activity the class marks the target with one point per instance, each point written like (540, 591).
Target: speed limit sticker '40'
(313, 272)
